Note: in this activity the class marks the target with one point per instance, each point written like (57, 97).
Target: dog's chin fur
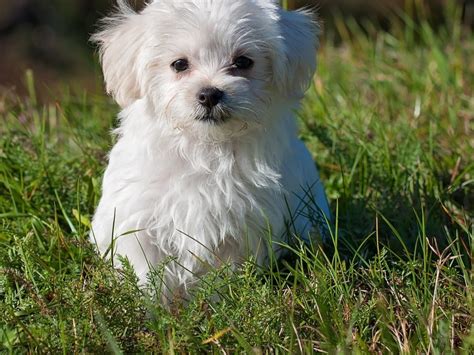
(201, 187)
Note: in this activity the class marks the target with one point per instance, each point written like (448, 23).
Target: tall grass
(389, 120)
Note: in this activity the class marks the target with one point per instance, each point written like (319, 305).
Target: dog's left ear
(121, 41)
(295, 58)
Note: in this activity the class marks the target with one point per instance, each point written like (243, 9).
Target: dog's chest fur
(195, 199)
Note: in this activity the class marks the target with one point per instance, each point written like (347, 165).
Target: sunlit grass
(389, 120)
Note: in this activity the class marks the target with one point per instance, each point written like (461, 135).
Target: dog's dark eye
(243, 63)
(180, 65)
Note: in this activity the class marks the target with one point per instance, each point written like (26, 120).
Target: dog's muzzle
(211, 100)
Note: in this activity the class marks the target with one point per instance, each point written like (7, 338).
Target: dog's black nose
(210, 97)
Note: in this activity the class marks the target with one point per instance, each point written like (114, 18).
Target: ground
(389, 120)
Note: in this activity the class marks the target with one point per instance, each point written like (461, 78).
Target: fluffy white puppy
(207, 168)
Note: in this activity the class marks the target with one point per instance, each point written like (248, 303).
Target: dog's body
(208, 168)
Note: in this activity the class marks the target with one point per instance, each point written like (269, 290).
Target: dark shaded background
(51, 36)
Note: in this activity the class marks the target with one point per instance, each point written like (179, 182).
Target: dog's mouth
(215, 116)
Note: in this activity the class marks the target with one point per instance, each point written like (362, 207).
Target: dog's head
(208, 62)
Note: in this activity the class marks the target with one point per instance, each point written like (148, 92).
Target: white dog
(207, 168)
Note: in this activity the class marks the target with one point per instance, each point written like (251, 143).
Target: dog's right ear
(120, 41)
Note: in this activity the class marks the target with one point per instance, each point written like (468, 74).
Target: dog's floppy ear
(120, 42)
(295, 64)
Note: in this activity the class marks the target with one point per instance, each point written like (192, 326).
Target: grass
(389, 120)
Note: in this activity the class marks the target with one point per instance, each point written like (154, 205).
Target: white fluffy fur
(196, 192)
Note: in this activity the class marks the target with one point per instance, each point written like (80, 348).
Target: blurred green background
(51, 36)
